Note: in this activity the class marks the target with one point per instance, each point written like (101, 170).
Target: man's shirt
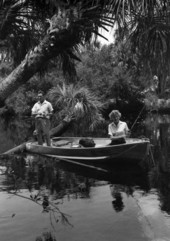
(120, 128)
(42, 109)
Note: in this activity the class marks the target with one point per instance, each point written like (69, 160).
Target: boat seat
(61, 143)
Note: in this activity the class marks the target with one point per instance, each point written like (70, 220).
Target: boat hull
(67, 147)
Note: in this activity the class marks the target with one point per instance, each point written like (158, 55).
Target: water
(106, 203)
(97, 209)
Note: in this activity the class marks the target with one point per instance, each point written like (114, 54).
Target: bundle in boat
(118, 140)
(87, 142)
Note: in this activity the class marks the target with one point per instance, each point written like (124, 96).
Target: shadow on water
(63, 178)
(130, 175)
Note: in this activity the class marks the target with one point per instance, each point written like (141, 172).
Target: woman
(117, 130)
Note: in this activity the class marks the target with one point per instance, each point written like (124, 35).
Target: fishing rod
(155, 79)
(137, 117)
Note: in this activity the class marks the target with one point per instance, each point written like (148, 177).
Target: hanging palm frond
(78, 103)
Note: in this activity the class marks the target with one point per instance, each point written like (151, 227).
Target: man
(42, 111)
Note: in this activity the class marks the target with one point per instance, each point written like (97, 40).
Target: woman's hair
(114, 113)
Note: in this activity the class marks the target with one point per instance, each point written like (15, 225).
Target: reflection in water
(27, 173)
(158, 130)
(50, 181)
(61, 178)
(161, 181)
(117, 203)
(58, 179)
(47, 236)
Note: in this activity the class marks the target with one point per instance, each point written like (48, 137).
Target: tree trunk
(52, 45)
(60, 129)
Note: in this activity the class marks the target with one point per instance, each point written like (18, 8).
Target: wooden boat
(69, 148)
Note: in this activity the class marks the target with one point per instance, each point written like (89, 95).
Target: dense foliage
(106, 79)
(47, 36)
(37, 31)
(111, 73)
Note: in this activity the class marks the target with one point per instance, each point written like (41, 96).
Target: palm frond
(24, 23)
(64, 99)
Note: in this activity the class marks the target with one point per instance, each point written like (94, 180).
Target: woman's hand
(117, 135)
(114, 134)
(128, 133)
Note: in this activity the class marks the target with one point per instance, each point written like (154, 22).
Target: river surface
(40, 196)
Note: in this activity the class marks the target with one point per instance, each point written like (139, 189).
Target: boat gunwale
(137, 142)
(101, 147)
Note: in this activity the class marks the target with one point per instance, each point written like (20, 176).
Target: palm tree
(147, 25)
(23, 26)
(47, 29)
(75, 103)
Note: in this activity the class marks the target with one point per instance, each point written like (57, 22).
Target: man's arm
(50, 110)
(34, 111)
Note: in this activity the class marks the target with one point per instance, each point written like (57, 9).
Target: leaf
(73, 56)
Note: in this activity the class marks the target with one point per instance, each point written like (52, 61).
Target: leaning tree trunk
(63, 126)
(64, 33)
(60, 129)
(51, 46)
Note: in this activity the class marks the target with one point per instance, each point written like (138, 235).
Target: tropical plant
(76, 103)
(55, 29)
(112, 72)
(37, 31)
(147, 25)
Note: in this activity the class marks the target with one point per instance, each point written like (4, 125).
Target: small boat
(69, 148)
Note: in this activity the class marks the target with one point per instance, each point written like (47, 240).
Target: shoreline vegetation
(133, 69)
(158, 105)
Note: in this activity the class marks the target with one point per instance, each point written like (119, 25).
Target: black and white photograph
(84, 120)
